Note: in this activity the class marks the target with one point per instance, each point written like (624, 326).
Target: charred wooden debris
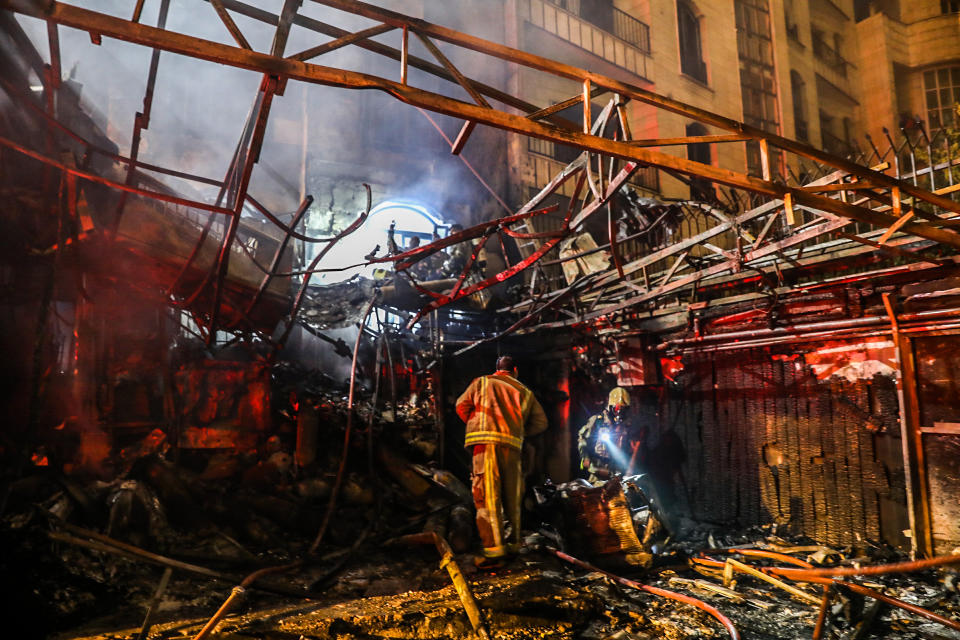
(165, 551)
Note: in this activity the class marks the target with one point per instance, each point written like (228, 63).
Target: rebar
(820, 625)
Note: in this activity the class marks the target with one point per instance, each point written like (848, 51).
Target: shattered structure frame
(789, 221)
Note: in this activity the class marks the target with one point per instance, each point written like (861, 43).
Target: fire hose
(663, 593)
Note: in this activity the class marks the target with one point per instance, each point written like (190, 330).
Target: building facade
(796, 75)
(819, 78)
(909, 61)
(673, 48)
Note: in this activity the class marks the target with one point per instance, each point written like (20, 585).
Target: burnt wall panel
(938, 360)
(707, 492)
(766, 440)
(772, 447)
(943, 467)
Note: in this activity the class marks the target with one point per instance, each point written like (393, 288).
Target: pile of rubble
(89, 545)
(401, 592)
(165, 543)
(342, 526)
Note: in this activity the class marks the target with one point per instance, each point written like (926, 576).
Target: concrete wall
(916, 10)
(721, 92)
(659, 71)
(894, 53)
(882, 46)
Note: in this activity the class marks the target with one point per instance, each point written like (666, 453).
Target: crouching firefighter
(608, 443)
(499, 412)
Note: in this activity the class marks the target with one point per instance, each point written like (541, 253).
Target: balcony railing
(624, 25)
(628, 28)
(827, 54)
(834, 144)
(621, 39)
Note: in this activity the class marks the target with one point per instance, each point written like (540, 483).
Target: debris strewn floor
(90, 555)
(402, 592)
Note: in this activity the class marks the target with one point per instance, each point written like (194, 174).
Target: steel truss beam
(583, 76)
(105, 25)
(834, 213)
(618, 294)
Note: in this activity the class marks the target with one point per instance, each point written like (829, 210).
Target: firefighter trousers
(497, 483)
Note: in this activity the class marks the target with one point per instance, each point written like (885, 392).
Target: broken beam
(565, 104)
(792, 590)
(666, 142)
(204, 49)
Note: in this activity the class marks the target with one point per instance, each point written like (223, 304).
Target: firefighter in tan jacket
(499, 412)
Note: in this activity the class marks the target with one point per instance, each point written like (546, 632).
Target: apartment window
(698, 151)
(758, 84)
(599, 12)
(700, 188)
(949, 6)
(820, 48)
(754, 41)
(942, 94)
(789, 15)
(759, 99)
(691, 50)
(799, 90)
(832, 140)
(604, 15)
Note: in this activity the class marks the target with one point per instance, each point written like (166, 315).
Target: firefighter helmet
(618, 397)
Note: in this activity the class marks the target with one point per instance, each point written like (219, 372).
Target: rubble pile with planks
(269, 544)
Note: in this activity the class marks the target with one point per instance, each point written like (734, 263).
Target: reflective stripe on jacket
(498, 409)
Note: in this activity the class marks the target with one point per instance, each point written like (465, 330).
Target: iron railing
(825, 53)
(835, 144)
(623, 25)
(628, 28)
